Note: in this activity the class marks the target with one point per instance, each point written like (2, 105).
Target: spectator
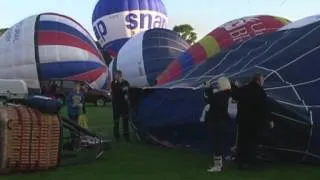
(83, 120)
(53, 88)
(119, 88)
(251, 117)
(75, 102)
(84, 90)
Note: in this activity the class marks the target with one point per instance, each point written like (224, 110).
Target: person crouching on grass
(75, 101)
(217, 119)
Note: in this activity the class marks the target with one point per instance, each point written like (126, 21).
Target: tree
(186, 31)
(3, 31)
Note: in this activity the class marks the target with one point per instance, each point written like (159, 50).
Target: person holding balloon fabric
(217, 119)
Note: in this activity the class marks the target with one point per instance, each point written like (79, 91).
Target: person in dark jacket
(217, 119)
(119, 89)
(251, 118)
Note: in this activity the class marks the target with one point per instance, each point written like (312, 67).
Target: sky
(203, 15)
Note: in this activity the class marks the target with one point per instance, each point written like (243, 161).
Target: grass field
(135, 161)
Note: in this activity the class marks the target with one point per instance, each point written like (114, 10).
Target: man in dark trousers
(252, 119)
(217, 119)
(119, 88)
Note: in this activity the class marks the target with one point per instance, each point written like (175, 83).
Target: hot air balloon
(51, 46)
(289, 60)
(147, 54)
(219, 39)
(116, 21)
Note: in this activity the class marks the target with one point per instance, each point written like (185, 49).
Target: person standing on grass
(251, 119)
(217, 119)
(75, 101)
(85, 91)
(83, 118)
(119, 89)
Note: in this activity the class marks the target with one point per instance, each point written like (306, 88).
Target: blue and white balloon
(115, 21)
(146, 55)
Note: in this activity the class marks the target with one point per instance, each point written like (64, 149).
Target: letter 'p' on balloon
(116, 21)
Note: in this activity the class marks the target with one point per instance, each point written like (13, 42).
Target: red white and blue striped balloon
(51, 46)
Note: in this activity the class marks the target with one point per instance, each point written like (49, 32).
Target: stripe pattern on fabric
(67, 51)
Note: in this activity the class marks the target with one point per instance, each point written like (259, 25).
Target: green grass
(135, 161)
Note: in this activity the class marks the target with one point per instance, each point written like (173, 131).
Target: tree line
(3, 31)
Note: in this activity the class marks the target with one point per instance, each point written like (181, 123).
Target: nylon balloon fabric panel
(17, 53)
(219, 39)
(288, 59)
(301, 22)
(146, 55)
(116, 21)
(67, 36)
(50, 46)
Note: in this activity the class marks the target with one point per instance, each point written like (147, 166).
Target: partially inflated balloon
(146, 55)
(289, 61)
(301, 22)
(115, 21)
(221, 38)
(51, 46)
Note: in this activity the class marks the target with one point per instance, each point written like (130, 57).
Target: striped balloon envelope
(219, 39)
(51, 46)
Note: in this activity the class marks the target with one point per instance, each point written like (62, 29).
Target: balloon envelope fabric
(51, 46)
(288, 59)
(116, 21)
(146, 55)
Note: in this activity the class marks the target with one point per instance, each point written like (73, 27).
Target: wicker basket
(29, 140)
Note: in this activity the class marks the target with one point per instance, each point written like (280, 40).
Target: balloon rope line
(268, 48)
(244, 58)
(244, 68)
(310, 137)
(289, 118)
(287, 33)
(300, 99)
(221, 61)
(278, 52)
